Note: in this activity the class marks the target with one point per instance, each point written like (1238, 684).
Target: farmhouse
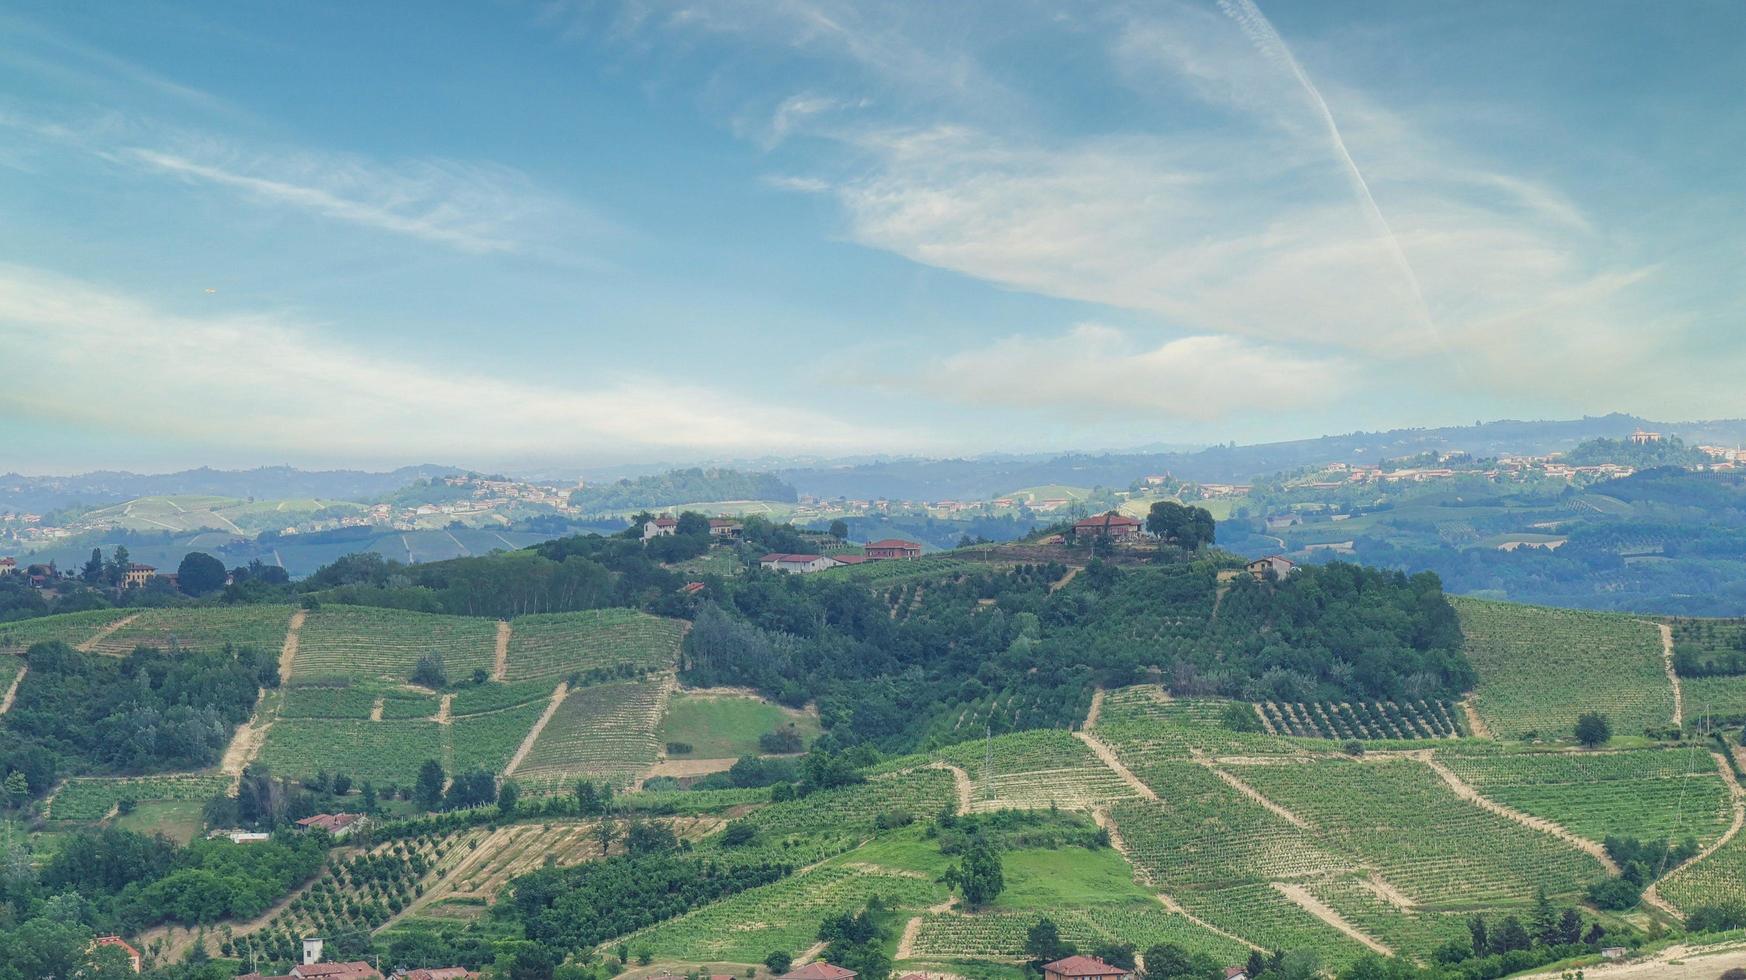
(819, 971)
(137, 574)
(660, 527)
(338, 824)
(893, 548)
(437, 973)
(1277, 566)
(357, 970)
(722, 527)
(1111, 526)
(1236, 973)
(1083, 968)
(133, 956)
(846, 559)
(778, 562)
(8, 566)
(1642, 438)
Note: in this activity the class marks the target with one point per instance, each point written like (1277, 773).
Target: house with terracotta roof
(1083, 968)
(1111, 526)
(437, 973)
(338, 824)
(893, 548)
(133, 956)
(1276, 567)
(356, 970)
(137, 575)
(1236, 973)
(722, 527)
(8, 566)
(819, 971)
(660, 527)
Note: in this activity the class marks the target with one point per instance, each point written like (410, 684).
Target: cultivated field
(607, 731)
(93, 799)
(554, 646)
(70, 628)
(367, 642)
(202, 628)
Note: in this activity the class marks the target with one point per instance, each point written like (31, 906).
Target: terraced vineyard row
(1363, 719)
(382, 751)
(1648, 794)
(92, 799)
(364, 641)
(557, 645)
(1000, 934)
(1260, 914)
(891, 572)
(603, 732)
(1581, 661)
(1040, 768)
(70, 628)
(203, 628)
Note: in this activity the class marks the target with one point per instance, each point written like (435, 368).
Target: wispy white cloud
(1096, 371)
(269, 383)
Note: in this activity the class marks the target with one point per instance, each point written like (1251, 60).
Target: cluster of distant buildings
(891, 549)
(312, 968)
(719, 527)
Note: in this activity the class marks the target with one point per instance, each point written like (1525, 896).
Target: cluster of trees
(148, 712)
(681, 487)
(857, 940)
(1640, 862)
(1187, 527)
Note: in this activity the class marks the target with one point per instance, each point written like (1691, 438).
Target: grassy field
(554, 646)
(1539, 668)
(727, 726)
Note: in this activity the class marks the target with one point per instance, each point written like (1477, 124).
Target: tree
(15, 789)
(692, 524)
(978, 876)
(429, 791)
(369, 801)
(779, 962)
(839, 529)
(1543, 920)
(507, 797)
(92, 573)
(1043, 942)
(1180, 525)
(429, 671)
(1593, 729)
(117, 567)
(1115, 954)
(199, 573)
(342, 784)
(587, 800)
(1167, 960)
(605, 832)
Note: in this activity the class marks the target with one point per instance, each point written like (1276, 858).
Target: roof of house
(1084, 966)
(117, 941)
(1108, 520)
(894, 543)
(690, 588)
(1233, 972)
(723, 522)
(819, 971)
(665, 521)
(355, 970)
(331, 821)
(440, 973)
(777, 556)
(1270, 559)
(849, 559)
(137, 567)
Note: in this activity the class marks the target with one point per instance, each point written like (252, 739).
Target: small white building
(1277, 567)
(778, 562)
(660, 527)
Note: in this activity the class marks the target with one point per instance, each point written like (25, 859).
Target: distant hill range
(987, 476)
(44, 493)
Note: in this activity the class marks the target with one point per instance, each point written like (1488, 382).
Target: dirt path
(376, 709)
(533, 734)
(1061, 583)
(1475, 724)
(1095, 710)
(288, 651)
(1101, 817)
(1171, 905)
(1388, 893)
(443, 707)
(1108, 756)
(1737, 797)
(1218, 600)
(1314, 906)
(1478, 799)
(906, 944)
(1233, 781)
(12, 689)
(105, 633)
(247, 742)
(960, 779)
(1672, 677)
(1678, 962)
(501, 669)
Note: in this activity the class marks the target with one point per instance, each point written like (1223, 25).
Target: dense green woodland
(680, 487)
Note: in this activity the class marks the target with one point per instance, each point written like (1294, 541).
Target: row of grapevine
(1363, 719)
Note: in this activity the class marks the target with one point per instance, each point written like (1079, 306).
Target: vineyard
(556, 645)
(1363, 719)
(1262, 915)
(602, 732)
(204, 628)
(1000, 934)
(487, 741)
(365, 642)
(70, 628)
(93, 799)
(382, 751)
(890, 572)
(1719, 878)
(1539, 668)
(355, 702)
(1649, 794)
(1040, 768)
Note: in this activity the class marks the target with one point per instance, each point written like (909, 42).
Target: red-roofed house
(893, 548)
(691, 588)
(722, 527)
(1236, 973)
(133, 956)
(1083, 968)
(358, 970)
(850, 559)
(1114, 526)
(819, 971)
(337, 824)
(438, 973)
(8, 566)
(660, 527)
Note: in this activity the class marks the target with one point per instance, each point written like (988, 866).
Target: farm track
(1061, 583)
(1101, 817)
(12, 689)
(1300, 896)
(1474, 796)
(105, 633)
(960, 781)
(501, 668)
(1737, 798)
(912, 928)
(533, 735)
(288, 650)
(1108, 756)
(1475, 724)
(444, 708)
(1095, 709)
(376, 709)
(1672, 677)
(1233, 781)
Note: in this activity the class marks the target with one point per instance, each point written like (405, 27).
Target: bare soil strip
(1171, 905)
(906, 944)
(1478, 799)
(501, 670)
(1231, 780)
(246, 743)
(104, 633)
(1108, 756)
(12, 689)
(443, 706)
(1061, 583)
(1309, 903)
(1737, 795)
(1266, 722)
(1475, 724)
(288, 652)
(533, 734)
(961, 780)
(1388, 893)
(376, 709)
(1672, 677)
(1095, 710)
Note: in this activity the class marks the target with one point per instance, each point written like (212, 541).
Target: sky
(571, 234)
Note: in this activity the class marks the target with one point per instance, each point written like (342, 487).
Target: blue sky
(569, 234)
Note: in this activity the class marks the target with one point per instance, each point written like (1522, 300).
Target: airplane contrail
(1266, 39)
